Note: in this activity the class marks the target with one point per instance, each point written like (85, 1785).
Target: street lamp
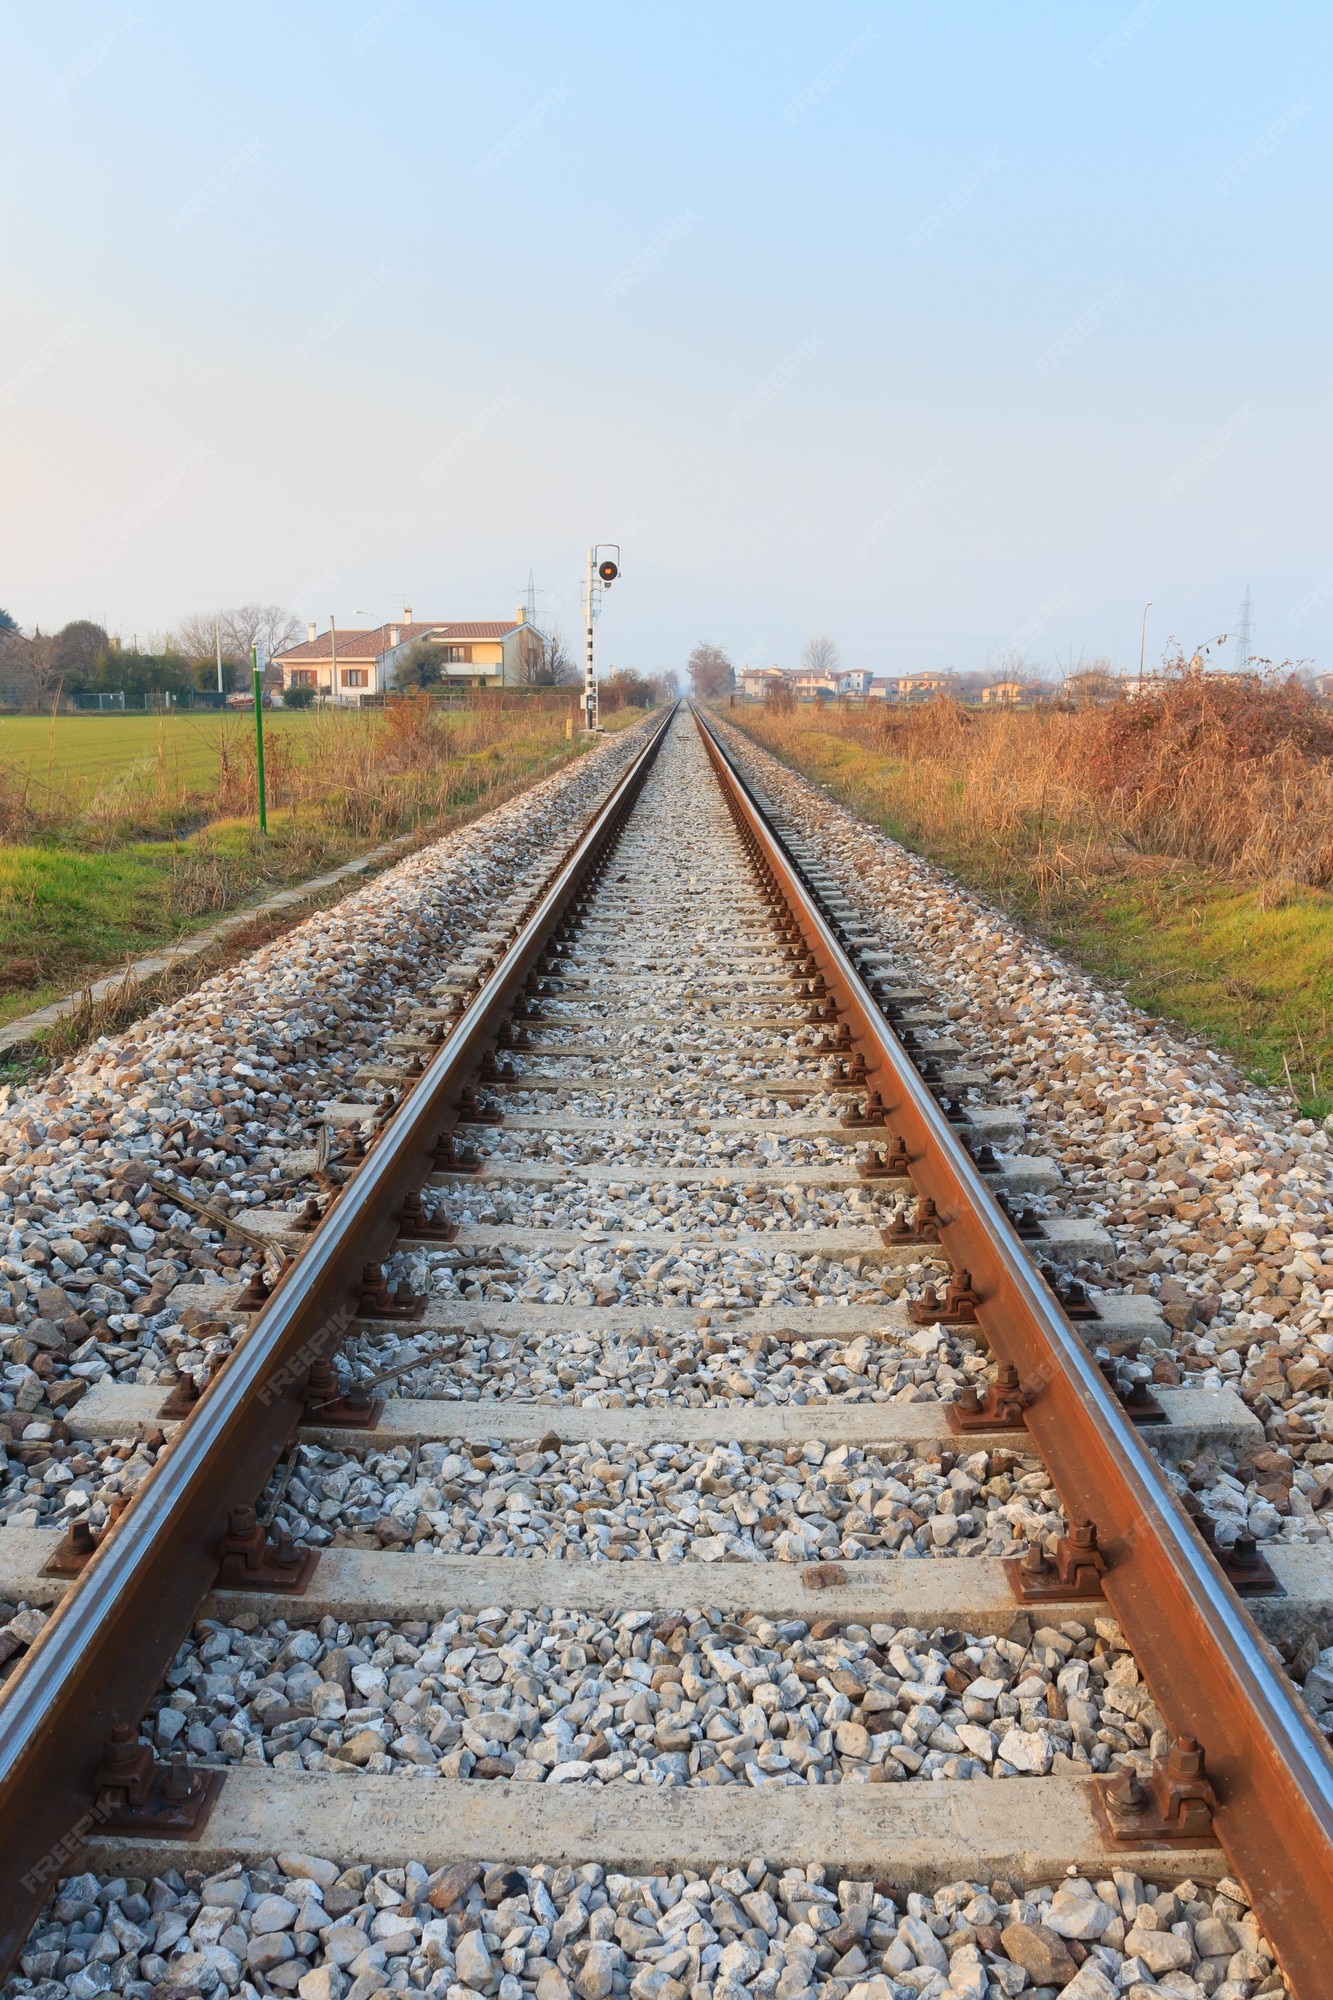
(603, 569)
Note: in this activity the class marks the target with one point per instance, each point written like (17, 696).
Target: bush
(1232, 771)
(298, 697)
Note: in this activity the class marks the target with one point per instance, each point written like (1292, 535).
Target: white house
(347, 667)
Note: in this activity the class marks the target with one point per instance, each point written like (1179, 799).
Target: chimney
(393, 635)
(310, 633)
(407, 614)
(521, 615)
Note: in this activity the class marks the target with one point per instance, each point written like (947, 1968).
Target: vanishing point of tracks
(769, 1499)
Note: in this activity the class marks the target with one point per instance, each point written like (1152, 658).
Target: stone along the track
(676, 1570)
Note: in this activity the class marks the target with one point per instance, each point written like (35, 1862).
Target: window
(355, 677)
(302, 677)
(456, 655)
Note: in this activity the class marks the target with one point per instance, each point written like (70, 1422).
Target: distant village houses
(840, 684)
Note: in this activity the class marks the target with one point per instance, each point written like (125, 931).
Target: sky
(950, 332)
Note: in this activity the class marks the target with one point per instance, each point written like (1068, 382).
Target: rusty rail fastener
(326, 1403)
(136, 1794)
(923, 1228)
(1075, 1571)
(1173, 1803)
(416, 1223)
(380, 1300)
(472, 1112)
(890, 1164)
(81, 1541)
(1002, 1408)
(452, 1158)
(188, 1391)
(955, 1307)
(248, 1560)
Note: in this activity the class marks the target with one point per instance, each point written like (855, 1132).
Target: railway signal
(603, 569)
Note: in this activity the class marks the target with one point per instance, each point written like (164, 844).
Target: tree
(710, 672)
(28, 671)
(136, 673)
(197, 636)
(269, 626)
(550, 663)
(626, 689)
(7, 624)
(419, 666)
(820, 656)
(79, 647)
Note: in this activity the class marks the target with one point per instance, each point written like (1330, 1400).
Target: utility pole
(1244, 634)
(1143, 634)
(602, 573)
(259, 740)
(217, 641)
(333, 648)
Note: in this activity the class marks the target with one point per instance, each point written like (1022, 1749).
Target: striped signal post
(259, 740)
(603, 569)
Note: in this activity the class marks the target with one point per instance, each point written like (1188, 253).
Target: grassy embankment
(121, 834)
(1183, 853)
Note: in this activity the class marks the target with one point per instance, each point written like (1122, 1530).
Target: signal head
(608, 571)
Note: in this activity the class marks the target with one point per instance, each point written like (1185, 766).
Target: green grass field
(120, 834)
(73, 754)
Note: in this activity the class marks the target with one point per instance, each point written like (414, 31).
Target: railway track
(667, 1444)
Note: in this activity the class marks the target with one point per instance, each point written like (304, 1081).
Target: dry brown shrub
(1234, 772)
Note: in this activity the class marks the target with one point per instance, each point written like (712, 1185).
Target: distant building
(350, 667)
(920, 687)
(1099, 687)
(821, 686)
(1004, 694)
(828, 684)
(756, 681)
(1323, 685)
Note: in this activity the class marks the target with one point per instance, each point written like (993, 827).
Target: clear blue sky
(938, 329)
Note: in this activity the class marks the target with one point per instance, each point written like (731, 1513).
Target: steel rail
(1211, 1673)
(101, 1656)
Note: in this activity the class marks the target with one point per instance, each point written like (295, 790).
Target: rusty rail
(102, 1655)
(1211, 1673)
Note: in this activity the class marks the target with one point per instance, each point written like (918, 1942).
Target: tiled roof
(479, 628)
(354, 646)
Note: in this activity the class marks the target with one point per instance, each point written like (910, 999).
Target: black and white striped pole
(603, 569)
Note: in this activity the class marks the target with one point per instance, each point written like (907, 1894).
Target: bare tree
(710, 671)
(196, 638)
(30, 671)
(820, 656)
(270, 626)
(549, 663)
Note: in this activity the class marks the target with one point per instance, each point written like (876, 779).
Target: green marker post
(259, 741)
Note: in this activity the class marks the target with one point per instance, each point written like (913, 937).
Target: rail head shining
(1210, 1670)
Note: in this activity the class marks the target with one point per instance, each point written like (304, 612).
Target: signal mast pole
(603, 569)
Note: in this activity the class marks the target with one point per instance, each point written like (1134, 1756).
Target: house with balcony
(349, 667)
